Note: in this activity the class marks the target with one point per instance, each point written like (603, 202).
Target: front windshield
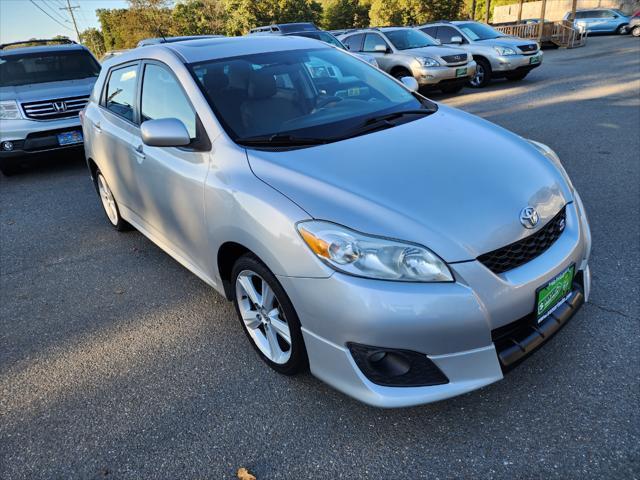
(304, 93)
(58, 66)
(479, 31)
(408, 38)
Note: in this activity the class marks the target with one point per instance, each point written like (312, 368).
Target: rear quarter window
(120, 92)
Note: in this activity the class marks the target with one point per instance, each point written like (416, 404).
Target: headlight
(505, 51)
(365, 256)
(427, 62)
(553, 157)
(9, 110)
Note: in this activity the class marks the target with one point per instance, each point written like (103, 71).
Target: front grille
(525, 250)
(54, 109)
(461, 58)
(529, 48)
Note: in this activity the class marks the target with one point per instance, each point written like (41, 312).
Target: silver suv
(496, 54)
(403, 52)
(43, 88)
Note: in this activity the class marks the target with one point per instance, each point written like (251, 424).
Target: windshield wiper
(394, 115)
(281, 139)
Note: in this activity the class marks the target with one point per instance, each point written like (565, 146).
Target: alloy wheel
(108, 202)
(263, 316)
(478, 78)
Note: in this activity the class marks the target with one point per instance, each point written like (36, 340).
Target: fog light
(7, 146)
(396, 368)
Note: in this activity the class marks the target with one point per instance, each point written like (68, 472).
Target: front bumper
(510, 63)
(432, 76)
(34, 137)
(453, 324)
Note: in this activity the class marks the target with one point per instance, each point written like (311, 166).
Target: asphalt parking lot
(116, 362)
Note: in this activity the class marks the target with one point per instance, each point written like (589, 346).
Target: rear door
(171, 179)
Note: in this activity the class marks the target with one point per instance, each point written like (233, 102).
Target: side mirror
(380, 49)
(411, 83)
(165, 132)
(456, 39)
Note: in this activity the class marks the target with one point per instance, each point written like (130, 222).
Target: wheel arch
(228, 254)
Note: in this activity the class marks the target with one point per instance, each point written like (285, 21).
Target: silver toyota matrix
(356, 225)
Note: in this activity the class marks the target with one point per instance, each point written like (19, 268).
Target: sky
(22, 20)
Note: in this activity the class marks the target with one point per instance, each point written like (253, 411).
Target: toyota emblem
(529, 217)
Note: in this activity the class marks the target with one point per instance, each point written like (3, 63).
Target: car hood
(451, 181)
(505, 42)
(438, 50)
(49, 90)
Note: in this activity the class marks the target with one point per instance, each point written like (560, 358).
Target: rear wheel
(268, 317)
(109, 203)
(482, 76)
(515, 76)
(621, 30)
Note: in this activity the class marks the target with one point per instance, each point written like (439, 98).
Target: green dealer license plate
(550, 296)
(461, 72)
(534, 59)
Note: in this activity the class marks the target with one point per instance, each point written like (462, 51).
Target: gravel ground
(115, 362)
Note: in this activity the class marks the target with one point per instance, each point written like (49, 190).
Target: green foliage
(93, 39)
(413, 12)
(243, 15)
(198, 17)
(345, 14)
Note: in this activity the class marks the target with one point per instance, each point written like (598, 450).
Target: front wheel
(482, 76)
(635, 31)
(621, 30)
(109, 204)
(268, 317)
(8, 167)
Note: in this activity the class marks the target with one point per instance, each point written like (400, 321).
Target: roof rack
(64, 41)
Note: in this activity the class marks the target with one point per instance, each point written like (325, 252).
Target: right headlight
(505, 50)
(9, 110)
(367, 256)
(427, 62)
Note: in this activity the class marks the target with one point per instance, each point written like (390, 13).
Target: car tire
(621, 30)
(399, 73)
(635, 31)
(482, 76)
(452, 89)
(8, 168)
(516, 76)
(109, 204)
(273, 328)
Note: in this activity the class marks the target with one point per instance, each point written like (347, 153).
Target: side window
(371, 40)
(446, 33)
(121, 91)
(162, 97)
(431, 31)
(354, 42)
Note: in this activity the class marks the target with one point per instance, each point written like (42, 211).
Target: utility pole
(70, 9)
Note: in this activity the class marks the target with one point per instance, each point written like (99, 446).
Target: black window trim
(103, 94)
(201, 143)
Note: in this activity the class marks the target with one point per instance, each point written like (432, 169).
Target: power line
(51, 10)
(52, 18)
(70, 9)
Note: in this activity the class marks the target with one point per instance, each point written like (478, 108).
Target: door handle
(97, 127)
(139, 152)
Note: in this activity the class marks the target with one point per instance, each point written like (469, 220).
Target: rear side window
(121, 91)
(354, 42)
(163, 97)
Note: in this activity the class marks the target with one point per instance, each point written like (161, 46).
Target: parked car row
(354, 224)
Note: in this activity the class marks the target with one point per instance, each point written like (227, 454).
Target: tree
(198, 17)
(345, 14)
(243, 15)
(93, 39)
(413, 12)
